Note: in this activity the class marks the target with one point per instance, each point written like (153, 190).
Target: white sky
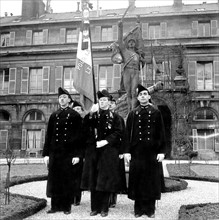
(14, 6)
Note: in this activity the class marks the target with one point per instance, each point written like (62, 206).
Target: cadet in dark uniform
(145, 150)
(76, 200)
(62, 154)
(123, 185)
(101, 166)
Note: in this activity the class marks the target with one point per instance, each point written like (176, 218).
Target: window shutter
(216, 140)
(46, 72)
(163, 26)
(12, 38)
(216, 75)
(213, 27)
(24, 139)
(194, 28)
(192, 74)
(12, 80)
(195, 139)
(78, 32)
(62, 35)
(97, 35)
(96, 76)
(115, 32)
(145, 30)
(116, 76)
(4, 139)
(24, 79)
(42, 138)
(45, 36)
(58, 77)
(29, 37)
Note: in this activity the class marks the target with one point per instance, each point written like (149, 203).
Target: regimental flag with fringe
(84, 75)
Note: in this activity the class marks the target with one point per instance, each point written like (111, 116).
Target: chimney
(32, 8)
(177, 3)
(132, 4)
(78, 5)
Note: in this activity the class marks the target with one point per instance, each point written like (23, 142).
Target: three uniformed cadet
(145, 150)
(62, 154)
(101, 165)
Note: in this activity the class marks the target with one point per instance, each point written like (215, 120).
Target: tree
(10, 159)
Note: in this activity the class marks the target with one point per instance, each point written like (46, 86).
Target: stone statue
(130, 53)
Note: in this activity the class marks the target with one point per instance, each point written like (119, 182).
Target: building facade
(38, 54)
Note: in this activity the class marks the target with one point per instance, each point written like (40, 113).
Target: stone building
(38, 52)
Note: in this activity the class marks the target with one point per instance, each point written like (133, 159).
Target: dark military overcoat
(146, 138)
(101, 165)
(62, 143)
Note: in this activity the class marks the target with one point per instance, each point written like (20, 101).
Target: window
(204, 29)
(204, 114)
(105, 77)
(5, 39)
(4, 81)
(33, 139)
(204, 76)
(34, 116)
(4, 116)
(107, 33)
(3, 139)
(36, 80)
(205, 139)
(71, 35)
(37, 37)
(154, 31)
(68, 79)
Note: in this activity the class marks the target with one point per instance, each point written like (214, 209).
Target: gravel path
(168, 206)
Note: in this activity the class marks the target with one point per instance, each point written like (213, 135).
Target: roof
(115, 13)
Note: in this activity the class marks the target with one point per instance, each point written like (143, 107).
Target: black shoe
(152, 215)
(93, 213)
(137, 215)
(51, 211)
(112, 206)
(67, 212)
(104, 214)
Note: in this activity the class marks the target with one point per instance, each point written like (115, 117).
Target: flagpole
(93, 75)
(153, 74)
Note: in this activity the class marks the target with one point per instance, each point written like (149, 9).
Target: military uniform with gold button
(145, 141)
(62, 144)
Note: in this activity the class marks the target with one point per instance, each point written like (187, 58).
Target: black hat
(62, 91)
(75, 104)
(103, 93)
(112, 99)
(141, 88)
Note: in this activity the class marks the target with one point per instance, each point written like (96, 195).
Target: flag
(84, 74)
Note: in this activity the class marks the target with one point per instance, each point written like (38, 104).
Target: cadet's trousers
(144, 206)
(100, 201)
(60, 203)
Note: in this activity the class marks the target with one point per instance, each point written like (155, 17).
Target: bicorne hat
(103, 93)
(75, 104)
(141, 88)
(62, 91)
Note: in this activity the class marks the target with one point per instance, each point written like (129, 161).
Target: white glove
(94, 108)
(160, 157)
(121, 156)
(75, 160)
(127, 158)
(101, 143)
(46, 160)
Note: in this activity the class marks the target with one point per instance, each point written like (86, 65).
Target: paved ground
(167, 208)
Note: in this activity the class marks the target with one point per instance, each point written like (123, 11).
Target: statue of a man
(133, 57)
